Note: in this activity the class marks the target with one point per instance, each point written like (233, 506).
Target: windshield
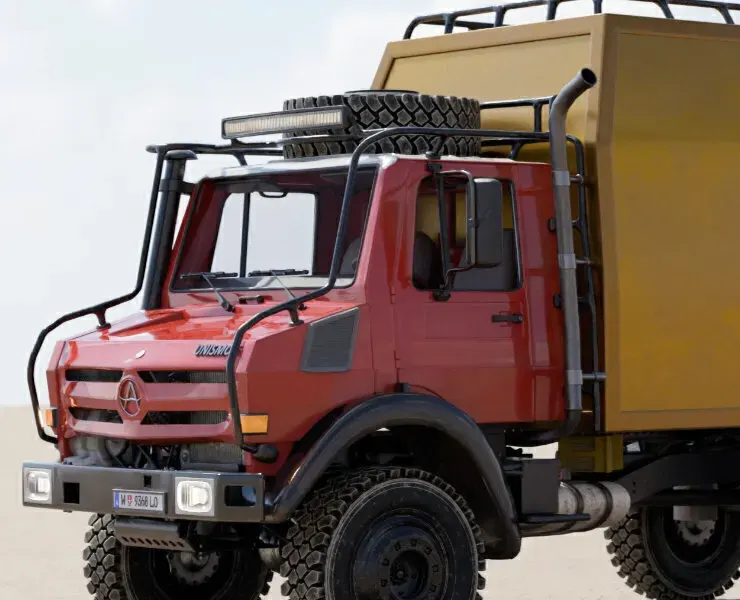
(274, 230)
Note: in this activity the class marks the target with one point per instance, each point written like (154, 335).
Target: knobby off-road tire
(116, 572)
(659, 559)
(382, 534)
(381, 109)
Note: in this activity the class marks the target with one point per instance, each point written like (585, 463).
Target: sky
(87, 84)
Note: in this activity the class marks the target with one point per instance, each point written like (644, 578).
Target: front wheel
(681, 560)
(395, 534)
(117, 572)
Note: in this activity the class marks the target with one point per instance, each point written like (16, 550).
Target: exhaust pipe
(604, 504)
(582, 82)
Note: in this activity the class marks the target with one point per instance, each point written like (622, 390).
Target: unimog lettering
(212, 350)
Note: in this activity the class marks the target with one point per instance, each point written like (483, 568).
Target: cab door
(471, 348)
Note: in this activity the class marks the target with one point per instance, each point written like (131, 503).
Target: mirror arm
(436, 170)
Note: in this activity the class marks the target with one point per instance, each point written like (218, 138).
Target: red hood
(164, 340)
(168, 338)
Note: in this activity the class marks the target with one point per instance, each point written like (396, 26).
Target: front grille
(98, 415)
(211, 453)
(185, 417)
(155, 417)
(183, 376)
(96, 375)
(93, 450)
(168, 376)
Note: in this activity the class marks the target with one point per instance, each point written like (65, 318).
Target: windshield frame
(241, 175)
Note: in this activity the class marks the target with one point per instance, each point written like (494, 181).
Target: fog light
(194, 496)
(37, 486)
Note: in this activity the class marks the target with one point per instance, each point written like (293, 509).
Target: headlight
(37, 486)
(194, 496)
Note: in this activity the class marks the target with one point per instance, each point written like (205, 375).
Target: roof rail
(456, 19)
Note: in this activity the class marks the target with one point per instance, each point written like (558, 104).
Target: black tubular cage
(454, 19)
(171, 154)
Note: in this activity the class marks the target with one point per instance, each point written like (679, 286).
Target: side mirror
(485, 223)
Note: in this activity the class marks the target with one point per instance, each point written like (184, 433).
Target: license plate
(131, 500)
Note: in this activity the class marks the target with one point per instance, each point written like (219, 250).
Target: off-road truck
(351, 400)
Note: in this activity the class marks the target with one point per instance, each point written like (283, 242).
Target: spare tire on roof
(378, 109)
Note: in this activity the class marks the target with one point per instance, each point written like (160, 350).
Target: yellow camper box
(662, 136)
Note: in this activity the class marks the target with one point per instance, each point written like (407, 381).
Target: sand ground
(41, 556)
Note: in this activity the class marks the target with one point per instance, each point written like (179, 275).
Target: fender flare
(393, 410)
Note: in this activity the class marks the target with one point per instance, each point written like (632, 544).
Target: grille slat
(94, 375)
(180, 417)
(159, 376)
(183, 376)
(185, 417)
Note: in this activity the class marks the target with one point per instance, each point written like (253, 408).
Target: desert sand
(42, 549)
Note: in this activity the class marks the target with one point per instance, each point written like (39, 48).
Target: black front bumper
(237, 497)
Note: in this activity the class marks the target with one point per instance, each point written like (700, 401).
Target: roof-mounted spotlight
(305, 119)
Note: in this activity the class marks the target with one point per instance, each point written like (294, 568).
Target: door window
(428, 266)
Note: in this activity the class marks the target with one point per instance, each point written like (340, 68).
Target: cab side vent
(330, 343)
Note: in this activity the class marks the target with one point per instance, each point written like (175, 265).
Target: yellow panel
(662, 137)
(671, 230)
(591, 454)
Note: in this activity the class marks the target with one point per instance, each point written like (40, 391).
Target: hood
(169, 338)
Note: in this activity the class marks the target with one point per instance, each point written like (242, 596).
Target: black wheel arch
(492, 501)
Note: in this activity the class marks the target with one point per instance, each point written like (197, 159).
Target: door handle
(510, 318)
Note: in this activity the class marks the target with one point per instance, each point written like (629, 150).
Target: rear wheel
(678, 560)
(397, 534)
(116, 572)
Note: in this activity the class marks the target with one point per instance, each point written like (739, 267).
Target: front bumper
(237, 497)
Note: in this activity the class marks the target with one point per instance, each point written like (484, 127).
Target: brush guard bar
(170, 159)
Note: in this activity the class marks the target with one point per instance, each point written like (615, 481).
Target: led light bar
(325, 117)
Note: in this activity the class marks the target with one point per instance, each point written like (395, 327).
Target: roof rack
(236, 149)
(456, 19)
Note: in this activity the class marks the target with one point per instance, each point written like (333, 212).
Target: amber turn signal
(253, 424)
(48, 417)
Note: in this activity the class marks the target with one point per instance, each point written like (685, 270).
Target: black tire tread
(102, 559)
(304, 554)
(391, 109)
(102, 556)
(626, 545)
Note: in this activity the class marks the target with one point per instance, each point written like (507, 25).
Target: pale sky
(87, 84)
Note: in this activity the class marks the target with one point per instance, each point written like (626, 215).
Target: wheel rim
(162, 575)
(695, 543)
(193, 568)
(401, 557)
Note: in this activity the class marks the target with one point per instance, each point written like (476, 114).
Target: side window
(427, 261)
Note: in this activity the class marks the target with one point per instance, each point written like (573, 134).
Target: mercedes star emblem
(128, 398)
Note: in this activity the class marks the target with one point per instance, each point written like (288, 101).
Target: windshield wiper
(276, 274)
(207, 276)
